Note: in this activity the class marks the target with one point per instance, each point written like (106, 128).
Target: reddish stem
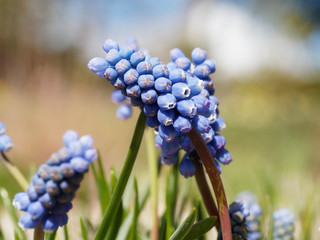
(204, 188)
(216, 182)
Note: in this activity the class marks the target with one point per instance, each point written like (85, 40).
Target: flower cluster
(251, 204)
(48, 198)
(283, 224)
(5, 141)
(176, 97)
(238, 216)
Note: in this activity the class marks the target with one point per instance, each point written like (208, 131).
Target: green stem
(123, 179)
(215, 180)
(14, 171)
(153, 170)
(204, 188)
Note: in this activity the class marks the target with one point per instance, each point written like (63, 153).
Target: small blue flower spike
(176, 97)
(49, 196)
(238, 217)
(283, 224)
(250, 203)
(5, 141)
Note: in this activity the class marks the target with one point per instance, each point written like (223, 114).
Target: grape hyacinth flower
(5, 141)
(251, 204)
(283, 224)
(238, 217)
(176, 97)
(48, 198)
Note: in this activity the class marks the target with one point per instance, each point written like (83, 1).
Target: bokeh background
(267, 80)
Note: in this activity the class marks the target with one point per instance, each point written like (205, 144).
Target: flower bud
(110, 44)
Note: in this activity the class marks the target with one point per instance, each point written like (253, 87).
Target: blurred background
(267, 81)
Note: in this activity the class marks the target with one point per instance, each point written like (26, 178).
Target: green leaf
(162, 229)
(123, 179)
(102, 184)
(113, 181)
(125, 227)
(8, 205)
(185, 197)
(200, 228)
(200, 214)
(2, 237)
(114, 229)
(83, 230)
(185, 227)
(135, 213)
(65, 231)
(171, 199)
(126, 224)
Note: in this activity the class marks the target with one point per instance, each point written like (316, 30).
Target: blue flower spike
(5, 141)
(176, 97)
(49, 196)
(283, 224)
(250, 203)
(238, 216)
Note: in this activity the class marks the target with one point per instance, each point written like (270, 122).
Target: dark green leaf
(200, 228)
(65, 231)
(185, 227)
(115, 226)
(162, 230)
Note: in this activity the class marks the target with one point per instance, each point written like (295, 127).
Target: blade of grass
(65, 232)
(162, 228)
(200, 228)
(14, 171)
(114, 229)
(113, 181)
(83, 230)
(101, 183)
(126, 224)
(123, 179)
(2, 237)
(169, 189)
(171, 198)
(135, 213)
(153, 170)
(7, 202)
(184, 197)
(185, 226)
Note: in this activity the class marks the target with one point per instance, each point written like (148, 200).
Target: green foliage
(200, 228)
(185, 226)
(7, 202)
(101, 183)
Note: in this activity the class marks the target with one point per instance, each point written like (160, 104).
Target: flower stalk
(215, 180)
(123, 179)
(204, 188)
